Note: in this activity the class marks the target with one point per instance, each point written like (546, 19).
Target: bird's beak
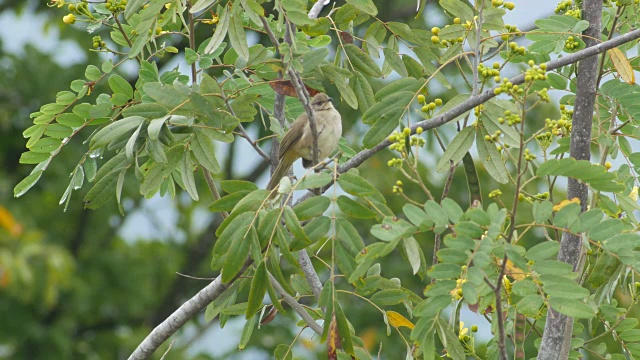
(330, 99)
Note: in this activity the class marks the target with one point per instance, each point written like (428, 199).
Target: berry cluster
(486, 72)
(571, 43)
(528, 156)
(446, 43)
(505, 4)
(428, 107)
(507, 87)
(517, 50)
(116, 6)
(510, 29)
(562, 126)
(397, 188)
(399, 141)
(493, 138)
(495, 194)
(510, 118)
(98, 43)
(535, 72)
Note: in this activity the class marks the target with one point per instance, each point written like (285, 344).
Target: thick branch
(557, 331)
(296, 306)
(317, 7)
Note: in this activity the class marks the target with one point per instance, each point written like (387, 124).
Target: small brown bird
(298, 141)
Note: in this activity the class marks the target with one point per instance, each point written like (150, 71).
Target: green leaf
(457, 9)
(456, 150)
(444, 271)
(354, 208)
(542, 251)
(120, 86)
(220, 32)
(203, 150)
(231, 186)
(366, 6)
(201, 5)
(31, 157)
(258, 288)
(186, 170)
(361, 61)
(452, 209)
(335, 75)
(594, 175)
(227, 203)
(389, 297)
(238, 252)
(237, 36)
(542, 211)
(491, 158)
(246, 332)
(27, 183)
(312, 207)
(114, 131)
(530, 305)
(158, 172)
(317, 228)
(363, 91)
(92, 73)
(314, 180)
(103, 190)
(293, 224)
(605, 230)
(573, 308)
(356, 185)
(387, 108)
(413, 251)
(417, 216)
(46, 145)
(382, 128)
(450, 340)
(394, 60)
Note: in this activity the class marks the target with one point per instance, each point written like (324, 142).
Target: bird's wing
(293, 135)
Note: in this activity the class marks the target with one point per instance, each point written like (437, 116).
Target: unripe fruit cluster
(571, 43)
(535, 72)
(486, 72)
(98, 43)
(563, 6)
(493, 138)
(561, 127)
(116, 6)
(528, 156)
(427, 107)
(510, 118)
(505, 4)
(509, 29)
(507, 87)
(517, 50)
(397, 188)
(435, 39)
(495, 194)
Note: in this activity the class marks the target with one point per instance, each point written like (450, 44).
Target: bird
(298, 141)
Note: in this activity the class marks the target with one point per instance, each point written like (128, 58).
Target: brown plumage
(298, 141)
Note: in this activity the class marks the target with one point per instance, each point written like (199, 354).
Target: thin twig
(295, 305)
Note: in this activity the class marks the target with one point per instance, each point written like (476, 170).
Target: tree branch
(183, 314)
(296, 306)
(556, 340)
(317, 7)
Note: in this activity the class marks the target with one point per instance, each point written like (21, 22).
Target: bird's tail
(281, 171)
